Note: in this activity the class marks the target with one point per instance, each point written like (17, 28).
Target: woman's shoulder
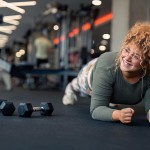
(110, 55)
(107, 59)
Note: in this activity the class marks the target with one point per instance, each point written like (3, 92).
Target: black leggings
(41, 61)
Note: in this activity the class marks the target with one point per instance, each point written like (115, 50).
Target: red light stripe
(86, 26)
(103, 19)
(56, 41)
(62, 38)
(71, 34)
(76, 31)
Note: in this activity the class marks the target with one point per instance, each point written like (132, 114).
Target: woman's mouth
(126, 63)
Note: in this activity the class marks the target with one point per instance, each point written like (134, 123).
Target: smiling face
(136, 43)
(130, 60)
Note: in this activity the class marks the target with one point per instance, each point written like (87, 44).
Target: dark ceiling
(33, 12)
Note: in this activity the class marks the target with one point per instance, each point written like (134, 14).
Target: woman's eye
(136, 57)
(126, 50)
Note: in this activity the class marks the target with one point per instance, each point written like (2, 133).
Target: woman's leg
(70, 92)
(79, 84)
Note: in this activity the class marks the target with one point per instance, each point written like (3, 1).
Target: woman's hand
(124, 115)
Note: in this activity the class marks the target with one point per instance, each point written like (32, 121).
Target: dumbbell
(2, 100)
(26, 109)
(7, 108)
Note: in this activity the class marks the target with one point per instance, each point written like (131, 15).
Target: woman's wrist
(116, 115)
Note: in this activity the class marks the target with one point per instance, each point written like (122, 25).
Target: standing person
(43, 46)
(117, 77)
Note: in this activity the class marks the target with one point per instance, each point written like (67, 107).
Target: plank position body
(117, 77)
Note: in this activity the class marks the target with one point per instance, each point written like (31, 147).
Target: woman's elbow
(92, 115)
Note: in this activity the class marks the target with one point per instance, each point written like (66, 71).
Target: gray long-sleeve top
(109, 86)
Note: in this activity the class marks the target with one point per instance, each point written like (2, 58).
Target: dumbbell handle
(38, 108)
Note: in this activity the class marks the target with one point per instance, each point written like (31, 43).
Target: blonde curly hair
(139, 34)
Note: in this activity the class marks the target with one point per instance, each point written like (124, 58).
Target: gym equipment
(7, 108)
(26, 109)
(65, 73)
(2, 100)
(11, 69)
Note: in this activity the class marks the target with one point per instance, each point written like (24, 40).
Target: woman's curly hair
(139, 34)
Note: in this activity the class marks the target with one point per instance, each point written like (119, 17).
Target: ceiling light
(11, 6)
(30, 3)
(7, 27)
(10, 21)
(18, 54)
(2, 44)
(3, 39)
(3, 36)
(22, 51)
(106, 36)
(6, 31)
(92, 51)
(56, 27)
(102, 48)
(96, 2)
(16, 17)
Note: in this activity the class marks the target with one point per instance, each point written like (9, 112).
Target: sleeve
(101, 95)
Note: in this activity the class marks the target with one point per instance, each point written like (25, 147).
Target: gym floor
(69, 127)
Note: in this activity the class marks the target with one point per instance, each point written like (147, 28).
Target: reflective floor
(69, 127)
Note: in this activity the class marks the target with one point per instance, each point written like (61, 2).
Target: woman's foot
(69, 99)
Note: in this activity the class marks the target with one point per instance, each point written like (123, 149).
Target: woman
(119, 78)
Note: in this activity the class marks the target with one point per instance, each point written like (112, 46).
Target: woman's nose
(129, 57)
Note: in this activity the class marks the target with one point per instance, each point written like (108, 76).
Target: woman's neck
(132, 77)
